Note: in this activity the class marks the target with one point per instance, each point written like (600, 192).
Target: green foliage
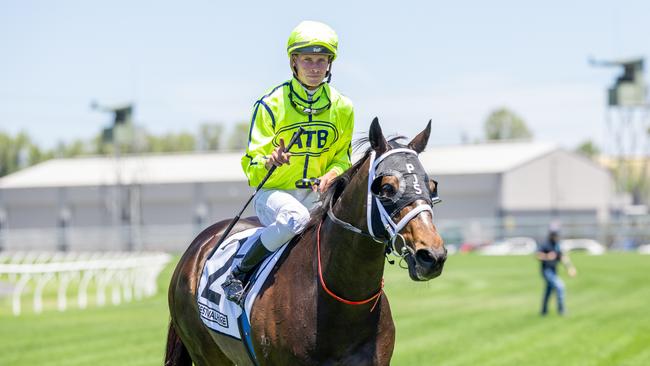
(75, 148)
(17, 152)
(481, 311)
(210, 136)
(588, 148)
(171, 142)
(504, 124)
(239, 136)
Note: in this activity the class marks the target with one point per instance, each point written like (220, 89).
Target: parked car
(511, 246)
(590, 246)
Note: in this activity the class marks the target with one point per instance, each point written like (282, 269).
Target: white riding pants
(285, 213)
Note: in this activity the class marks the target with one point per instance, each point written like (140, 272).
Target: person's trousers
(284, 213)
(553, 282)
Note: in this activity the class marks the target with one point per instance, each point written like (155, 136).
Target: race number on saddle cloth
(216, 312)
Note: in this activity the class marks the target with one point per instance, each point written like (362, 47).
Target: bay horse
(324, 304)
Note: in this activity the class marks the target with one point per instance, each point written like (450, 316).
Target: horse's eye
(388, 190)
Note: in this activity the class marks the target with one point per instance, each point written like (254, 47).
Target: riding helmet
(313, 37)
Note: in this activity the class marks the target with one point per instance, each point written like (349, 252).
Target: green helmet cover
(313, 37)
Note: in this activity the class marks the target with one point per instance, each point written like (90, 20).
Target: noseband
(381, 226)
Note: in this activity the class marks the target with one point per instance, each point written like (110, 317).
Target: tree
(171, 142)
(18, 152)
(210, 136)
(588, 149)
(239, 137)
(504, 124)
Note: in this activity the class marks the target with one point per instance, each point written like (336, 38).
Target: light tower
(628, 127)
(121, 134)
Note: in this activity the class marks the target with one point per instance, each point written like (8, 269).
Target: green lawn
(481, 311)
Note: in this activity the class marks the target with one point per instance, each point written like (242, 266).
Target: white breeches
(285, 213)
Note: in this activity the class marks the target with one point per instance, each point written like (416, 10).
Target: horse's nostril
(424, 256)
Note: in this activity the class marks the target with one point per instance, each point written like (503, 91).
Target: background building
(162, 201)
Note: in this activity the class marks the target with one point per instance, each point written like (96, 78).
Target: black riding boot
(234, 284)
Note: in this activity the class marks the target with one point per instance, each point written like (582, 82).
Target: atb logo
(318, 137)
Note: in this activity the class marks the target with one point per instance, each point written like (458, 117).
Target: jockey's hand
(325, 181)
(278, 157)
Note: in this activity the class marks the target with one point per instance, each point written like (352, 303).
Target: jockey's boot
(234, 284)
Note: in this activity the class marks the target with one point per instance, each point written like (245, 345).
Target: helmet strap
(328, 75)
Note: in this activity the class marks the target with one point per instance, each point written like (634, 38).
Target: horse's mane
(340, 182)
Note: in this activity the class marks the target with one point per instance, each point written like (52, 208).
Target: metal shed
(162, 201)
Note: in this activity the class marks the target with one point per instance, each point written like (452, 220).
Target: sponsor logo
(318, 137)
(213, 315)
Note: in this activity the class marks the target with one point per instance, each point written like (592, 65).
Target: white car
(644, 249)
(511, 246)
(590, 246)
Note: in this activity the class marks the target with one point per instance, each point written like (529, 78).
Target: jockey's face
(311, 68)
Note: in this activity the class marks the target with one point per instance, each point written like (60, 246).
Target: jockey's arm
(260, 147)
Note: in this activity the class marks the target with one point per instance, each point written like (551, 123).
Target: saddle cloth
(218, 313)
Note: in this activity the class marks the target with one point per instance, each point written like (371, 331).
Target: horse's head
(401, 196)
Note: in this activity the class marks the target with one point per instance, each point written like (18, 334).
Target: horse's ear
(419, 142)
(376, 137)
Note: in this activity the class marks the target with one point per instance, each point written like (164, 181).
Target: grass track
(481, 311)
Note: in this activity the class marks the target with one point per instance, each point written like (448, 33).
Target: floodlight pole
(122, 115)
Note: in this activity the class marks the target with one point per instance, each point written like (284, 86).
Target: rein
(335, 296)
(391, 228)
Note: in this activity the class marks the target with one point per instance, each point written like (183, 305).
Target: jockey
(322, 151)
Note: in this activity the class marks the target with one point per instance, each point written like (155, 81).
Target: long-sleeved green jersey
(328, 120)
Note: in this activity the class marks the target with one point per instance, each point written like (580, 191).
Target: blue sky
(185, 63)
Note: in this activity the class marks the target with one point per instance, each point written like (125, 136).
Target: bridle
(377, 215)
(390, 228)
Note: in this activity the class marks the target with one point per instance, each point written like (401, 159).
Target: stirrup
(234, 289)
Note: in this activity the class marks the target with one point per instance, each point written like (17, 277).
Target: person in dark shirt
(550, 255)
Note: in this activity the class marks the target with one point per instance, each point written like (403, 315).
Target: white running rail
(129, 275)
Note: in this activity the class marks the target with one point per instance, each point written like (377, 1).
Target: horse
(324, 304)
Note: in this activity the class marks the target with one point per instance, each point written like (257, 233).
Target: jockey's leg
(234, 284)
(284, 213)
(284, 216)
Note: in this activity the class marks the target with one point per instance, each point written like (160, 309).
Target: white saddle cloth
(218, 313)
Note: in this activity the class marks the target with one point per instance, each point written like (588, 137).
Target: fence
(622, 232)
(625, 232)
(128, 275)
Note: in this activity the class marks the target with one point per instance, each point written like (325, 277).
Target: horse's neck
(353, 264)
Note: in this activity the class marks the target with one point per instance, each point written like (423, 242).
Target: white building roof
(145, 169)
(495, 157)
(226, 167)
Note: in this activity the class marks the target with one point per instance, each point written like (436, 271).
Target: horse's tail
(176, 354)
